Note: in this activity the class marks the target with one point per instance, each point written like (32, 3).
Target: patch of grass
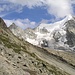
(6, 41)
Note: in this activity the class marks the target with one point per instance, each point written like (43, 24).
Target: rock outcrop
(70, 32)
(2, 23)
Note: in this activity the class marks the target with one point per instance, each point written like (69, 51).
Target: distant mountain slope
(18, 57)
(55, 35)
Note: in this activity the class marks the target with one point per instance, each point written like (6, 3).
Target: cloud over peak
(23, 23)
(59, 8)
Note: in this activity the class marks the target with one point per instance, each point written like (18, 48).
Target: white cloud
(58, 8)
(9, 7)
(45, 21)
(29, 3)
(23, 23)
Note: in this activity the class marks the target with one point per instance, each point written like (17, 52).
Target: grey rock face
(70, 35)
(13, 26)
(22, 34)
(17, 31)
(44, 43)
(56, 36)
(30, 33)
(2, 23)
(66, 41)
(43, 30)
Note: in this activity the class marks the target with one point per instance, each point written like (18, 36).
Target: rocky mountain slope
(58, 35)
(18, 57)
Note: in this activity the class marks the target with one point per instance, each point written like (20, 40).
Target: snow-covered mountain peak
(13, 25)
(69, 17)
(55, 26)
(58, 35)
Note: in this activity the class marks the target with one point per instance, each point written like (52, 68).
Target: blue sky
(29, 13)
(35, 14)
